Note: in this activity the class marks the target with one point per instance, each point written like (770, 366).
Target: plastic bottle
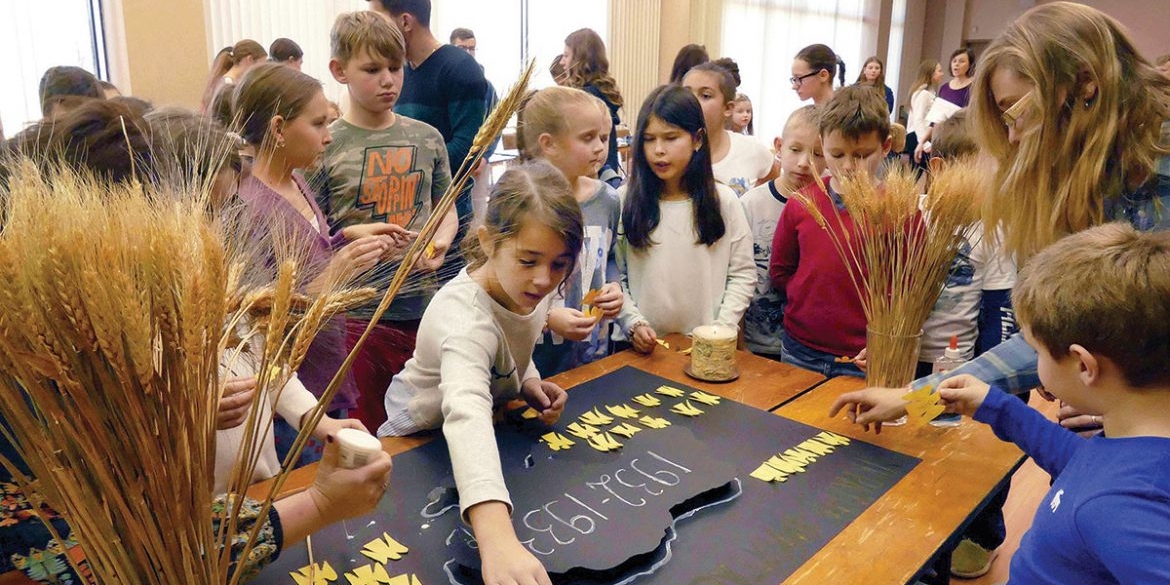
(949, 360)
(357, 448)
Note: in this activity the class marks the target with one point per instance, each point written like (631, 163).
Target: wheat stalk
(898, 253)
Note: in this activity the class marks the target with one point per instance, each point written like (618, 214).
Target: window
(763, 36)
(37, 35)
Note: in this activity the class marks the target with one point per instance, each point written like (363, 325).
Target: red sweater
(823, 310)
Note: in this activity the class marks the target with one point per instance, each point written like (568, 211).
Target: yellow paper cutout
(687, 351)
(595, 417)
(654, 422)
(832, 439)
(403, 579)
(590, 296)
(557, 441)
(604, 442)
(685, 408)
(922, 405)
(384, 549)
(670, 391)
(414, 580)
(626, 430)
(368, 575)
(708, 399)
(429, 251)
(317, 574)
(798, 454)
(594, 312)
(663, 343)
(782, 463)
(623, 410)
(581, 430)
(647, 400)
(531, 413)
(769, 474)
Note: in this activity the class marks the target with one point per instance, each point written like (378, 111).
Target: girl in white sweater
(685, 251)
(474, 352)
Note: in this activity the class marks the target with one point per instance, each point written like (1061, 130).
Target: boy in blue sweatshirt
(1094, 306)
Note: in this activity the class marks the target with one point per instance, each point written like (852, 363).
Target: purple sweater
(272, 211)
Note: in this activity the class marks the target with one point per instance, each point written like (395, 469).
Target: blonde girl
(685, 253)
(474, 352)
(570, 129)
(587, 67)
(740, 121)
(737, 161)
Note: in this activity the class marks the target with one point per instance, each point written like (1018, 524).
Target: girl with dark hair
(686, 252)
(812, 73)
(687, 58)
(738, 161)
(587, 68)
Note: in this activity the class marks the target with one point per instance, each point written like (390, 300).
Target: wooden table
(894, 539)
(888, 543)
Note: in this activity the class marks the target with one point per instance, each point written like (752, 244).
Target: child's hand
(609, 299)
(328, 426)
(345, 493)
(364, 230)
(432, 256)
(546, 397)
(644, 339)
(861, 360)
(871, 406)
(570, 323)
(504, 559)
(963, 394)
(360, 255)
(235, 402)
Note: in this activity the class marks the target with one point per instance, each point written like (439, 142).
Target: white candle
(713, 352)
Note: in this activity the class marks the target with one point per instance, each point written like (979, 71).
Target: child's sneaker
(970, 560)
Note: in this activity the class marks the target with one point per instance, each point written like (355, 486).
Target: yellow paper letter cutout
(670, 391)
(685, 408)
(318, 574)
(581, 431)
(922, 405)
(595, 417)
(769, 474)
(626, 430)
(384, 549)
(604, 442)
(647, 400)
(557, 441)
(708, 399)
(368, 575)
(654, 422)
(623, 410)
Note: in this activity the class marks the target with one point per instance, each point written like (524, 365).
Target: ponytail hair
(223, 62)
(543, 112)
(266, 91)
(820, 57)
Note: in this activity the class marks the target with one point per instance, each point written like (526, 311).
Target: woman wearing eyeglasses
(812, 73)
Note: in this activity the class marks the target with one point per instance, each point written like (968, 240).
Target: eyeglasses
(800, 78)
(1013, 114)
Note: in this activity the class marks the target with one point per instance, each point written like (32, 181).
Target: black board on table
(710, 523)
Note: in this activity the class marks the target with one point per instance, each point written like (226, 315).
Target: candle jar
(713, 353)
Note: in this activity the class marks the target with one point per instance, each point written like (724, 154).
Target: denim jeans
(802, 356)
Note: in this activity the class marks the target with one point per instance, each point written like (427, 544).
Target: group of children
(701, 233)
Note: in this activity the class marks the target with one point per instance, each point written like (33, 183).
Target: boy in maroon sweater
(824, 320)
